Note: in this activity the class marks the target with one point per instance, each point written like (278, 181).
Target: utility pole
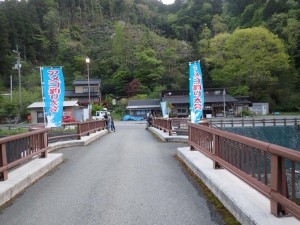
(87, 60)
(18, 67)
(224, 93)
(10, 89)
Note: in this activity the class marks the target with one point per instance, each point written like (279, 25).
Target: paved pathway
(127, 177)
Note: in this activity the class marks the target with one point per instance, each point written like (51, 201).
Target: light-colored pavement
(127, 177)
(244, 202)
(25, 175)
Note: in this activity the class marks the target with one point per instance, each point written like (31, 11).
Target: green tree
(149, 70)
(122, 45)
(4, 46)
(252, 57)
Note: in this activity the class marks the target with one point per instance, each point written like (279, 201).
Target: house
(71, 108)
(260, 108)
(85, 91)
(242, 104)
(142, 107)
(180, 101)
(214, 99)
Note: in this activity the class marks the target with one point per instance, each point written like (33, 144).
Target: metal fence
(76, 130)
(178, 126)
(271, 169)
(17, 149)
(173, 126)
(253, 122)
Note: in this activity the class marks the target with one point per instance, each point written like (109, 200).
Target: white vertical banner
(163, 106)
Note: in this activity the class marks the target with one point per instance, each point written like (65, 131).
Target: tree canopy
(135, 46)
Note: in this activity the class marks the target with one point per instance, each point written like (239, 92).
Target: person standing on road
(113, 129)
(149, 120)
(105, 118)
(108, 121)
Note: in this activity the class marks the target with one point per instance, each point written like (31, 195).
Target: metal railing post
(79, 130)
(44, 144)
(169, 121)
(278, 180)
(3, 162)
(215, 151)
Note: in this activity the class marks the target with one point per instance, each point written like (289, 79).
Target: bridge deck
(127, 177)
(244, 202)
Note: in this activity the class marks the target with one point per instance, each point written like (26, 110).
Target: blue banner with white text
(196, 92)
(54, 92)
(164, 109)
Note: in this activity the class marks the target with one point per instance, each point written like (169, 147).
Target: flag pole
(43, 98)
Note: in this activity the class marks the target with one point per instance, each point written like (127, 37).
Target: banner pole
(43, 98)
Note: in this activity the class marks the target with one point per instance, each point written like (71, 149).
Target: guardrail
(252, 122)
(178, 126)
(271, 169)
(173, 126)
(17, 149)
(76, 130)
(162, 124)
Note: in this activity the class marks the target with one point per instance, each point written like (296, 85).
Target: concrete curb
(25, 175)
(247, 205)
(166, 137)
(84, 141)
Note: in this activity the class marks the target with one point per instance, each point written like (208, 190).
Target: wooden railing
(271, 169)
(17, 149)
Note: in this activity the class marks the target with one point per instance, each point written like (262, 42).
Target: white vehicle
(99, 115)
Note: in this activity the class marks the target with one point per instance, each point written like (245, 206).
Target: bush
(247, 113)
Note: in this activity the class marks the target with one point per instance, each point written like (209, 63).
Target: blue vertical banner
(163, 106)
(196, 92)
(54, 93)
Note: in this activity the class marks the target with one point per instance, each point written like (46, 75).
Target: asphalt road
(128, 177)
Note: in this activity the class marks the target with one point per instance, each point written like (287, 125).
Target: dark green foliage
(144, 42)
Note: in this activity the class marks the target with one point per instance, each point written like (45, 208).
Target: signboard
(54, 92)
(196, 92)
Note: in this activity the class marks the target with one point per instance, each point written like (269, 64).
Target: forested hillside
(139, 47)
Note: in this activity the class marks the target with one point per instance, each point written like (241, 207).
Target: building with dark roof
(214, 100)
(142, 107)
(242, 104)
(81, 91)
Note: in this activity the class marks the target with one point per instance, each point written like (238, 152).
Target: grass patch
(227, 216)
(13, 131)
(117, 116)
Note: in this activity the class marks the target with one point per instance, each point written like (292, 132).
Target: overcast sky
(168, 1)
